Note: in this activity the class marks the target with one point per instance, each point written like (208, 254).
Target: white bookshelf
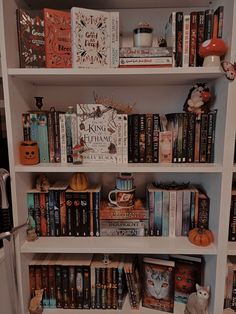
(152, 90)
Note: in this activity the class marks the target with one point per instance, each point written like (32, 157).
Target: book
(143, 52)
(193, 39)
(179, 39)
(186, 40)
(30, 28)
(95, 38)
(158, 284)
(189, 270)
(57, 25)
(148, 61)
(97, 132)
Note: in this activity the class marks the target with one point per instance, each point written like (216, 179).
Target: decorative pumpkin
(79, 181)
(29, 153)
(200, 236)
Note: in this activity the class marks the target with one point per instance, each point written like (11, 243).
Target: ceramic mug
(123, 198)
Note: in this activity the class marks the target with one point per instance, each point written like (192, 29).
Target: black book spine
(51, 137)
(209, 22)
(109, 287)
(84, 210)
(180, 138)
(72, 288)
(87, 287)
(155, 137)
(130, 138)
(142, 136)
(70, 214)
(98, 288)
(232, 221)
(37, 214)
(104, 288)
(45, 286)
(79, 287)
(96, 206)
(78, 215)
(203, 137)
(136, 138)
(203, 211)
(58, 280)
(148, 139)
(51, 212)
(65, 287)
(179, 38)
(57, 213)
(185, 131)
(200, 34)
(190, 136)
(212, 156)
(57, 136)
(114, 287)
(47, 214)
(26, 126)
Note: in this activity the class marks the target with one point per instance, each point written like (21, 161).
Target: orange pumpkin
(29, 153)
(79, 181)
(200, 236)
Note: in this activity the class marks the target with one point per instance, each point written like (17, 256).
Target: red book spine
(200, 34)
(43, 219)
(193, 40)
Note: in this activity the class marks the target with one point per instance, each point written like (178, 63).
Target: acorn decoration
(201, 236)
(79, 181)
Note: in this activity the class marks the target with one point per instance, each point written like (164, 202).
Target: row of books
(230, 283)
(232, 218)
(186, 32)
(98, 281)
(173, 137)
(79, 38)
(104, 135)
(65, 212)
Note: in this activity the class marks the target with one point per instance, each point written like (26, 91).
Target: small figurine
(230, 69)
(162, 42)
(38, 102)
(198, 301)
(42, 183)
(212, 50)
(35, 306)
(199, 99)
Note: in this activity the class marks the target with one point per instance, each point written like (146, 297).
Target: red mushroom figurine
(211, 50)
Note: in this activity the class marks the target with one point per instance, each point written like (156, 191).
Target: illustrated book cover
(30, 27)
(158, 284)
(57, 26)
(95, 38)
(97, 132)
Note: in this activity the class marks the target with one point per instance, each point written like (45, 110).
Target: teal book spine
(43, 138)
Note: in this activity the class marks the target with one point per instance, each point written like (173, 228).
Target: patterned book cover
(97, 132)
(93, 38)
(158, 284)
(57, 38)
(30, 26)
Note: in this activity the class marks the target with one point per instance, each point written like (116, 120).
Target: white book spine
(146, 61)
(179, 208)
(119, 131)
(125, 138)
(174, 31)
(74, 129)
(62, 124)
(172, 214)
(115, 34)
(186, 40)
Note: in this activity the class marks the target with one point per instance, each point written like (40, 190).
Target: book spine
(180, 138)
(137, 52)
(43, 138)
(120, 287)
(130, 138)
(45, 286)
(119, 130)
(172, 213)
(155, 137)
(37, 214)
(98, 288)
(84, 210)
(65, 287)
(146, 61)
(32, 280)
(51, 213)
(70, 214)
(124, 213)
(57, 212)
(79, 287)
(109, 288)
(179, 216)
(142, 131)
(58, 283)
(209, 19)
(72, 287)
(125, 139)
(232, 221)
(200, 34)
(52, 286)
(185, 137)
(96, 206)
(212, 155)
(173, 31)
(63, 144)
(203, 211)
(26, 126)
(91, 215)
(77, 214)
(47, 214)
(43, 219)
(158, 212)
(179, 39)
(191, 136)
(165, 147)
(34, 127)
(57, 146)
(166, 213)
(51, 137)
(197, 139)
(87, 291)
(31, 209)
(69, 141)
(123, 232)
(74, 130)
(192, 210)
(149, 137)
(115, 34)
(186, 40)
(186, 212)
(114, 299)
(193, 40)
(38, 277)
(233, 303)
(203, 137)
(151, 204)
(220, 12)
(63, 216)
(135, 138)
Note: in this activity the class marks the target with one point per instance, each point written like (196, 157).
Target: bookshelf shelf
(126, 245)
(114, 77)
(174, 168)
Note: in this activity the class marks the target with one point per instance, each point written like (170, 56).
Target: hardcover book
(30, 26)
(158, 284)
(97, 132)
(57, 38)
(95, 38)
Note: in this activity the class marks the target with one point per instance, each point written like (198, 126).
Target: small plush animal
(230, 69)
(35, 306)
(42, 183)
(198, 301)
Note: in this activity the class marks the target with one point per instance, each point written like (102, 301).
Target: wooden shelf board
(125, 245)
(115, 77)
(104, 167)
(117, 4)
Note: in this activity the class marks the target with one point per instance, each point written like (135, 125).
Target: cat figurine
(35, 306)
(198, 301)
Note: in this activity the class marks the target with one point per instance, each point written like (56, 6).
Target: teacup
(123, 198)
